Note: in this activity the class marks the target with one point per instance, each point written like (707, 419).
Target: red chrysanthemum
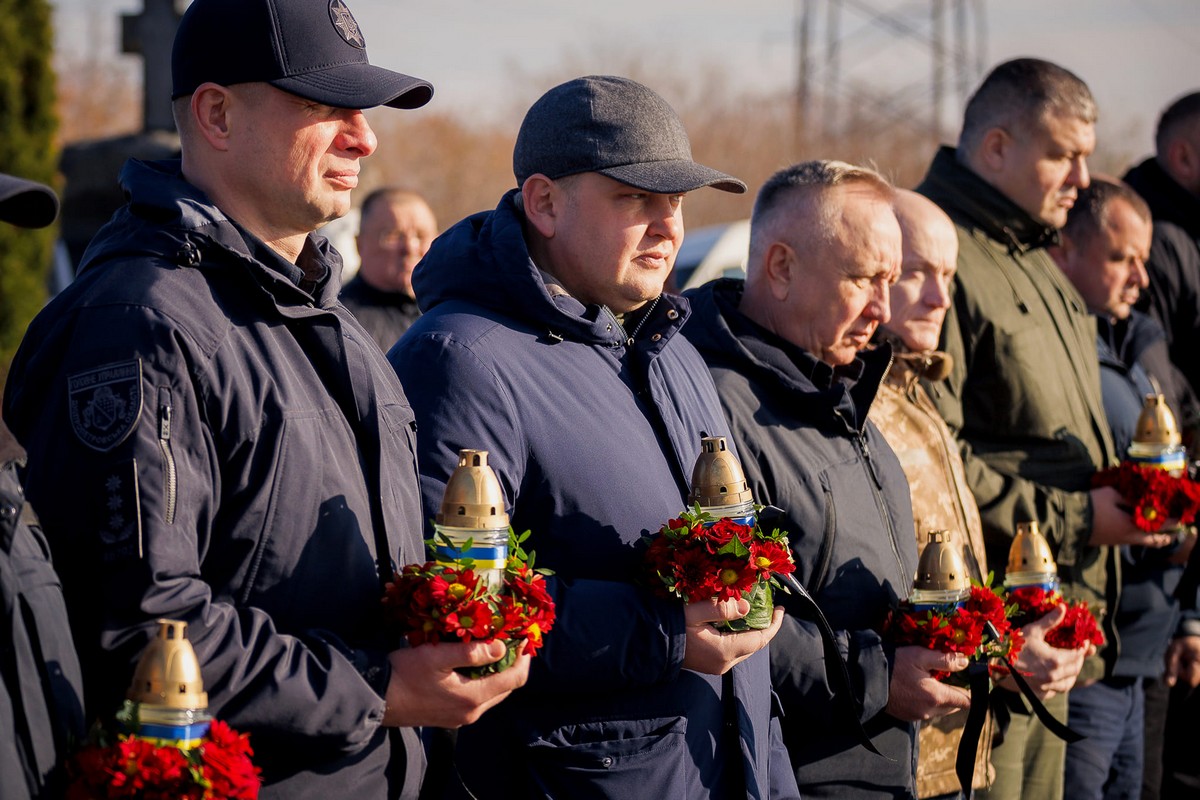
(439, 602)
(957, 628)
(697, 558)
(1154, 494)
(1078, 629)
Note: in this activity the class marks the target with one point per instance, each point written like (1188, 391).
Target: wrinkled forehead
(931, 247)
(1065, 132)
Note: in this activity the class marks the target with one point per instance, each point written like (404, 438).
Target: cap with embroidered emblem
(26, 203)
(311, 48)
(618, 128)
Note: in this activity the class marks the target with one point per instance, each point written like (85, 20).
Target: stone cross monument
(150, 34)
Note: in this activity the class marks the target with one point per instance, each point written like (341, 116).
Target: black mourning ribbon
(968, 746)
(977, 680)
(838, 676)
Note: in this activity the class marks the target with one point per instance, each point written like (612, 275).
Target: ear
(994, 149)
(780, 269)
(1062, 252)
(210, 109)
(1184, 161)
(541, 198)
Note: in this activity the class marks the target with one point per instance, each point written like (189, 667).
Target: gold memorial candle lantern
(941, 573)
(472, 523)
(719, 485)
(166, 702)
(1156, 440)
(1030, 562)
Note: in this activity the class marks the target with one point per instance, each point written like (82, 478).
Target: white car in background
(714, 251)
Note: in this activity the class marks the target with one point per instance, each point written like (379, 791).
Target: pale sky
(497, 56)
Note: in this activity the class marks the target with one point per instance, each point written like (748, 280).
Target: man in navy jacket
(546, 340)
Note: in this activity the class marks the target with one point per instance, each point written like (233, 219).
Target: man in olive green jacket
(1024, 394)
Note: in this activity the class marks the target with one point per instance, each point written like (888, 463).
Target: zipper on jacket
(164, 444)
(880, 503)
(825, 554)
(628, 336)
(649, 312)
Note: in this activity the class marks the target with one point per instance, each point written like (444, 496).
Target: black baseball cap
(616, 127)
(26, 203)
(311, 48)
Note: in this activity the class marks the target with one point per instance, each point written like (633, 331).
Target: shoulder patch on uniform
(105, 403)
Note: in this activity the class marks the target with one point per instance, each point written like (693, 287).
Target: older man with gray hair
(784, 350)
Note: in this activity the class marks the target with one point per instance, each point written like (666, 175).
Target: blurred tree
(27, 149)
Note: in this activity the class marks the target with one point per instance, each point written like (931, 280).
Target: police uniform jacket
(593, 431)
(807, 447)
(205, 438)
(41, 687)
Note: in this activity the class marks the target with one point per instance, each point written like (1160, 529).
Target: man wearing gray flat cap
(547, 340)
(239, 454)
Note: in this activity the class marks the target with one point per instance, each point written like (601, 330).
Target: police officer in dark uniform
(41, 689)
(234, 449)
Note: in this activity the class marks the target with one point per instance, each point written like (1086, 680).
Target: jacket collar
(169, 218)
(1169, 201)
(822, 395)
(484, 260)
(910, 366)
(970, 199)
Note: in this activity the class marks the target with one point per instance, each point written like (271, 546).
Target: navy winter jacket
(593, 436)
(205, 441)
(808, 448)
(1148, 613)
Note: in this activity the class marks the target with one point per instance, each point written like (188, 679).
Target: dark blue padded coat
(593, 438)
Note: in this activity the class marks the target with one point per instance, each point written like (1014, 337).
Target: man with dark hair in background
(395, 228)
(1169, 181)
(1023, 396)
(1103, 251)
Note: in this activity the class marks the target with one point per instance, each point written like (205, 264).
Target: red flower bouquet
(1079, 627)
(696, 557)
(977, 627)
(125, 766)
(438, 602)
(1154, 494)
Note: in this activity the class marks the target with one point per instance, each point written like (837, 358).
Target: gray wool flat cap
(618, 128)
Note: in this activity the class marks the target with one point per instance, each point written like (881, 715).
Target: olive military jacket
(1023, 397)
